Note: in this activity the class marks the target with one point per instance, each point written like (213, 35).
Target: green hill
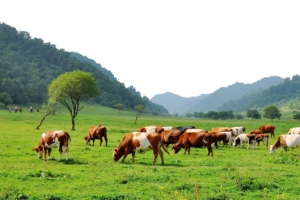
(28, 66)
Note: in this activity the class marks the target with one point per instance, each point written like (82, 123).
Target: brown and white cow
(238, 130)
(218, 137)
(53, 139)
(96, 132)
(151, 129)
(268, 129)
(194, 139)
(139, 141)
(170, 136)
(257, 138)
(220, 129)
(285, 141)
(294, 131)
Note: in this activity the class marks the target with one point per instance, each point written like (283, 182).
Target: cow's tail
(69, 137)
(165, 149)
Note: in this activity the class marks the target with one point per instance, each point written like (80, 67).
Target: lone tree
(120, 107)
(71, 89)
(254, 114)
(48, 110)
(271, 112)
(139, 109)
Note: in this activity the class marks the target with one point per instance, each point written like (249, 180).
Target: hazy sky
(188, 48)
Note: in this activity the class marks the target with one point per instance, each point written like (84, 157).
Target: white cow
(285, 141)
(229, 137)
(294, 131)
(240, 140)
(238, 130)
(194, 130)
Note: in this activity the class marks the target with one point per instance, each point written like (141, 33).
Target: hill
(214, 101)
(28, 66)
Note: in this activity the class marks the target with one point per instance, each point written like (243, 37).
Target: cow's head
(39, 150)
(159, 129)
(176, 147)
(236, 142)
(87, 139)
(272, 149)
(118, 153)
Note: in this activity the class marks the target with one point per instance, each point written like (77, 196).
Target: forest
(28, 65)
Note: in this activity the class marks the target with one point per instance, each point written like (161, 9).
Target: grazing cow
(96, 132)
(220, 129)
(257, 138)
(255, 132)
(240, 140)
(217, 137)
(168, 128)
(268, 129)
(151, 129)
(294, 131)
(53, 139)
(139, 141)
(194, 139)
(229, 137)
(170, 136)
(285, 141)
(238, 130)
(184, 127)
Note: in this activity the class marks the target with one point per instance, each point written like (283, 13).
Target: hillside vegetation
(28, 66)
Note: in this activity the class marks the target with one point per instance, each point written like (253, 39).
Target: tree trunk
(38, 127)
(73, 123)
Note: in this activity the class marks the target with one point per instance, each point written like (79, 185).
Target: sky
(186, 47)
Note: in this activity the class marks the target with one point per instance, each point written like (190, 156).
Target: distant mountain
(214, 101)
(175, 103)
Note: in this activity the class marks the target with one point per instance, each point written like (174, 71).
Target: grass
(92, 174)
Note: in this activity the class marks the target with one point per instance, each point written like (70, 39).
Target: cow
(168, 128)
(255, 132)
(257, 138)
(240, 140)
(53, 139)
(229, 137)
(184, 127)
(220, 129)
(268, 129)
(96, 132)
(151, 129)
(294, 130)
(170, 136)
(238, 130)
(194, 139)
(217, 137)
(285, 141)
(139, 141)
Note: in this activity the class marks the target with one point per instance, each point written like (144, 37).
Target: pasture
(92, 174)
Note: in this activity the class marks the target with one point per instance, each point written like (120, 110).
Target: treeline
(279, 94)
(28, 66)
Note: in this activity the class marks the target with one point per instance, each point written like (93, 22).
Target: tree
(239, 116)
(296, 116)
(71, 89)
(139, 109)
(188, 115)
(120, 107)
(5, 99)
(254, 114)
(47, 110)
(271, 112)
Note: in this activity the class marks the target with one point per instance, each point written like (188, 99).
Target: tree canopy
(70, 89)
(271, 112)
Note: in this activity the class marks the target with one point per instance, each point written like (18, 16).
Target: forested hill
(28, 66)
(278, 95)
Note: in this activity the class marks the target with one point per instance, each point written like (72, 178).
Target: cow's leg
(105, 137)
(67, 156)
(155, 155)
(125, 155)
(49, 153)
(209, 150)
(100, 138)
(161, 155)
(45, 153)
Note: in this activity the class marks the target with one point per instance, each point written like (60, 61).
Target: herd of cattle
(157, 137)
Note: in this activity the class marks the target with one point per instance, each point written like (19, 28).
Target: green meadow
(92, 174)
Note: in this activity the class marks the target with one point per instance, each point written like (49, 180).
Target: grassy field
(92, 174)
